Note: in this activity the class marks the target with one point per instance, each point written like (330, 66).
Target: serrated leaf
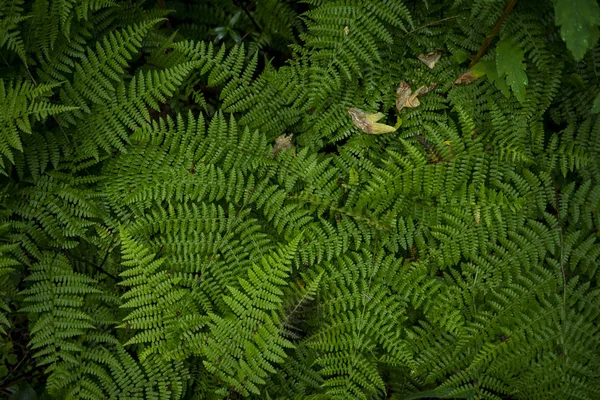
(510, 65)
(579, 20)
(493, 77)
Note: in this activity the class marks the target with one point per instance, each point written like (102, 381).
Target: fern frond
(54, 302)
(21, 104)
(243, 345)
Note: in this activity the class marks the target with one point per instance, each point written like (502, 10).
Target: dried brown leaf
(403, 95)
(283, 142)
(407, 99)
(425, 89)
(430, 59)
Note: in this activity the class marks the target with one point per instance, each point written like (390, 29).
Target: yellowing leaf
(430, 59)
(466, 78)
(477, 71)
(398, 123)
(367, 122)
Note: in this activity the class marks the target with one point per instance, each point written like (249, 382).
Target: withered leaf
(367, 122)
(283, 142)
(431, 58)
(404, 92)
(407, 99)
(425, 89)
(466, 78)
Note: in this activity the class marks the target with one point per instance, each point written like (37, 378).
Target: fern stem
(562, 268)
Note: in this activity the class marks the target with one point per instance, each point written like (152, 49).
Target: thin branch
(112, 241)
(431, 23)
(21, 378)
(488, 40)
(246, 35)
(237, 4)
(96, 267)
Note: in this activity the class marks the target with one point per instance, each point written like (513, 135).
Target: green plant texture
(274, 199)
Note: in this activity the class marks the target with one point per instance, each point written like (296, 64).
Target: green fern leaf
(243, 346)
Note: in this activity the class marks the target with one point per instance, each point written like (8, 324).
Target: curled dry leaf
(407, 99)
(403, 99)
(283, 142)
(425, 89)
(367, 122)
(430, 59)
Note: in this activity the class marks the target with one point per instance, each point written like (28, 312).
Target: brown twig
(488, 40)
(161, 5)
(246, 35)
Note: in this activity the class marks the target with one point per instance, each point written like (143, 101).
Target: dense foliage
(332, 199)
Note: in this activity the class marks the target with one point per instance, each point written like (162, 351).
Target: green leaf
(235, 18)
(11, 359)
(596, 106)
(576, 81)
(579, 20)
(489, 69)
(235, 36)
(25, 392)
(459, 57)
(509, 62)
